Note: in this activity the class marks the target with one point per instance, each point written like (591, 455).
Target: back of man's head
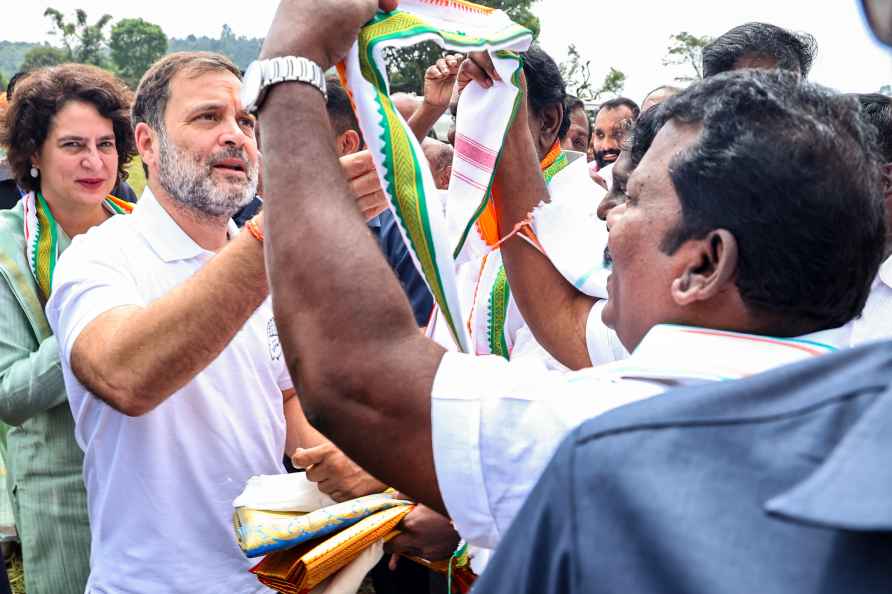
(877, 110)
(658, 95)
(545, 85)
(340, 113)
(762, 45)
(791, 170)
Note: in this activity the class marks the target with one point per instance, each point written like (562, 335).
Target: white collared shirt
(160, 487)
(875, 322)
(496, 424)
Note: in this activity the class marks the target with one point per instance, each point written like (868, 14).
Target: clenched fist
(321, 30)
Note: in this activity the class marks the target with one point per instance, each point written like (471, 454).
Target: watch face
(251, 83)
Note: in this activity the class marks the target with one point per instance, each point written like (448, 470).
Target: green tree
(576, 72)
(240, 49)
(613, 84)
(43, 55)
(407, 66)
(135, 45)
(82, 42)
(686, 49)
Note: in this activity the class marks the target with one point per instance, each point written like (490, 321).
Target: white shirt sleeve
(603, 344)
(86, 285)
(495, 426)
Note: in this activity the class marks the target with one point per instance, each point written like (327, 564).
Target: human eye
(247, 122)
(107, 144)
(72, 144)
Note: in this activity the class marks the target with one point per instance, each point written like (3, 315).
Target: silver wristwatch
(262, 74)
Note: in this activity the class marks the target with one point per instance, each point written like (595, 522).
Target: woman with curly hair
(68, 138)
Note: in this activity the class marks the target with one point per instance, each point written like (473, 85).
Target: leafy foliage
(12, 53)
(576, 72)
(240, 49)
(686, 49)
(135, 45)
(81, 41)
(407, 66)
(43, 55)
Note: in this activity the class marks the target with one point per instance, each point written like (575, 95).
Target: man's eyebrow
(68, 137)
(209, 106)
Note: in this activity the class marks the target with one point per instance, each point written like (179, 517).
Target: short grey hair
(153, 91)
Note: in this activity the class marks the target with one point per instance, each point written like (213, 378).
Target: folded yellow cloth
(302, 568)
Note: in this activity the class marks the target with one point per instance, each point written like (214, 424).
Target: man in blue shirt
(777, 483)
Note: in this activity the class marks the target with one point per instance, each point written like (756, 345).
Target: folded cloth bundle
(260, 532)
(302, 568)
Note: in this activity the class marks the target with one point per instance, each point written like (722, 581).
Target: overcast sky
(632, 35)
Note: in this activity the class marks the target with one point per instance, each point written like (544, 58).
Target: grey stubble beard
(188, 179)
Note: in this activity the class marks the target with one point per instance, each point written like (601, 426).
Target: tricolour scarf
(436, 242)
(42, 236)
(488, 319)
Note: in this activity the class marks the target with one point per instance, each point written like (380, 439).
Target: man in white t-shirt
(468, 435)
(170, 353)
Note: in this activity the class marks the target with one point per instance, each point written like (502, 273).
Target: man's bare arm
(555, 310)
(134, 358)
(363, 372)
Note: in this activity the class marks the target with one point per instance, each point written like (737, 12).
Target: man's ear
(348, 143)
(146, 144)
(550, 118)
(711, 265)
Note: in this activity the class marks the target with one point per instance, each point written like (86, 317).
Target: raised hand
(439, 80)
(321, 30)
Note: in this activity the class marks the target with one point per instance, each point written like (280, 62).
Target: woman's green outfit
(44, 462)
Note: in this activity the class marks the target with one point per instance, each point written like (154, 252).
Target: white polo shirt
(875, 322)
(160, 486)
(497, 424)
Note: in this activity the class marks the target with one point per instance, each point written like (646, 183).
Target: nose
(613, 213)
(610, 201)
(232, 134)
(92, 160)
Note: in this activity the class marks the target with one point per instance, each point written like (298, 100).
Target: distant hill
(11, 55)
(241, 50)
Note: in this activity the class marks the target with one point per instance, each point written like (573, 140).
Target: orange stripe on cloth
(488, 222)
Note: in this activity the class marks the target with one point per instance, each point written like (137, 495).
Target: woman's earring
(34, 172)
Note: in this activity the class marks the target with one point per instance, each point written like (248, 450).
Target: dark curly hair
(791, 169)
(791, 51)
(42, 94)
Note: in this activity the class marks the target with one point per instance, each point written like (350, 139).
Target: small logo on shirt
(275, 347)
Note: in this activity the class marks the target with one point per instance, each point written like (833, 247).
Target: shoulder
(785, 391)
(102, 240)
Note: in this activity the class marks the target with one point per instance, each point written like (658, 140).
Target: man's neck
(208, 232)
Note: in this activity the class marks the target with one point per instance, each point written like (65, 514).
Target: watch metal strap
(293, 68)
